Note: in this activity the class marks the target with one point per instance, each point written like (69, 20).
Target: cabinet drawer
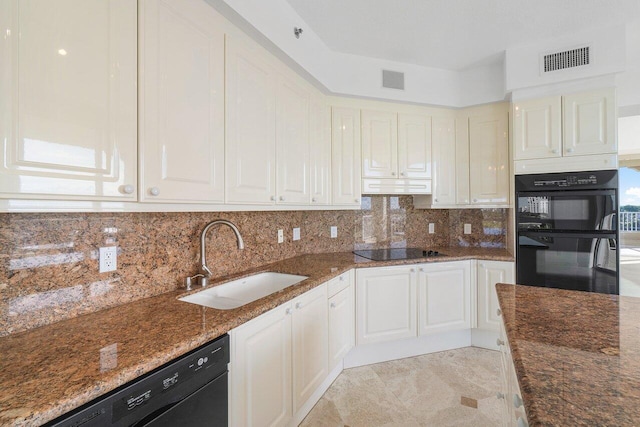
(339, 283)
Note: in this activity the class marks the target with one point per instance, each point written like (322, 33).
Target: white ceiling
(453, 34)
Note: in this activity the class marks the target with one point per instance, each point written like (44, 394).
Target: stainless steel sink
(237, 293)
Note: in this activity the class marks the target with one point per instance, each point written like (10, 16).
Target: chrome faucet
(205, 273)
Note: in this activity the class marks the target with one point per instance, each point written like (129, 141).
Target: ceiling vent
(566, 59)
(393, 79)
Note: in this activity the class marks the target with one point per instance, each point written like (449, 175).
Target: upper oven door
(592, 210)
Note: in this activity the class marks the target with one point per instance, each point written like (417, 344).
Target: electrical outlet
(296, 233)
(467, 229)
(334, 232)
(108, 259)
(432, 228)
(280, 236)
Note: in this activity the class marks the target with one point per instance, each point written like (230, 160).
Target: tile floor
(438, 389)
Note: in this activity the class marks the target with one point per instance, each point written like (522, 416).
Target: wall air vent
(393, 79)
(566, 59)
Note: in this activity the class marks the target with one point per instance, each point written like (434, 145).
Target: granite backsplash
(49, 262)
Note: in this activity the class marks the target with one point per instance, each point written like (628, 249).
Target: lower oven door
(575, 261)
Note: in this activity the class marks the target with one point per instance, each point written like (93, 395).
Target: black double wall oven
(567, 234)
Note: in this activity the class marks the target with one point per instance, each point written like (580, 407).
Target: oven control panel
(567, 181)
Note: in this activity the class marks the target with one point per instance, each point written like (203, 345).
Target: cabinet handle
(127, 189)
(313, 200)
(287, 311)
(499, 342)
(298, 305)
(393, 174)
(522, 422)
(282, 198)
(154, 191)
(499, 312)
(435, 200)
(517, 401)
(421, 270)
(475, 200)
(554, 151)
(332, 305)
(499, 395)
(413, 270)
(272, 198)
(569, 150)
(341, 278)
(356, 200)
(401, 173)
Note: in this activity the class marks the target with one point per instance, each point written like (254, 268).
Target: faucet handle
(188, 281)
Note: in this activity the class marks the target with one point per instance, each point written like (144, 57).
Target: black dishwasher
(188, 391)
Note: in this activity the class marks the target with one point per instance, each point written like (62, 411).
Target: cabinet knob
(517, 401)
(482, 264)
(287, 311)
(356, 200)
(499, 312)
(154, 191)
(421, 270)
(393, 174)
(127, 189)
(499, 395)
(282, 198)
(569, 150)
(342, 278)
(401, 173)
(332, 305)
(413, 270)
(554, 151)
(435, 200)
(475, 200)
(298, 305)
(313, 200)
(499, 342)
(522, 422)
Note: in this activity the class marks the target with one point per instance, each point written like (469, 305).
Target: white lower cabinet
(444, 297)
(385, 304)
(278, 360)
(488, 274)
(513, 410)
(341, 318)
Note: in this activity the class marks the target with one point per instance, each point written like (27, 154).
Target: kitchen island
(576, 355)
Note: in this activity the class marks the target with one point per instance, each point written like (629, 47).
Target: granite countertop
(576, 355)
(51, 370)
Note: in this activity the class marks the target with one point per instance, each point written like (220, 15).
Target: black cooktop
(396, 253)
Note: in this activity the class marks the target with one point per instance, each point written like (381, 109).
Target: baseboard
(399, 349)
(485, 339)
(311, 402)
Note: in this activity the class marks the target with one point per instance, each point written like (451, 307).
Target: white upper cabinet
(68, 99)
(537, 130)
(345, 156)
(320, 151)
(489, 158)
(444, 161)
(565, 133)
(589, 123)
(292, 141)
(181, 102)
(379, 144)
(414, 146)
(250, 124)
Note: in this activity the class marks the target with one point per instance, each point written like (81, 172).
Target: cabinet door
(310, 344)
(444, 161)
(444, 297)
(462, 160)
(292, 142)
(345, 156)
(489, 273)
(589, 123)
(489, 149)
(341, 325)
(414, 146)
(379, 144)
(260, 387)
(537, 129)
(68, 99)
(385, 304)
(250, 127)
(181, 102)
(320, 151)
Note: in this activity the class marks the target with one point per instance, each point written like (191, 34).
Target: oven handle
(569, 234)
(566, 193)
